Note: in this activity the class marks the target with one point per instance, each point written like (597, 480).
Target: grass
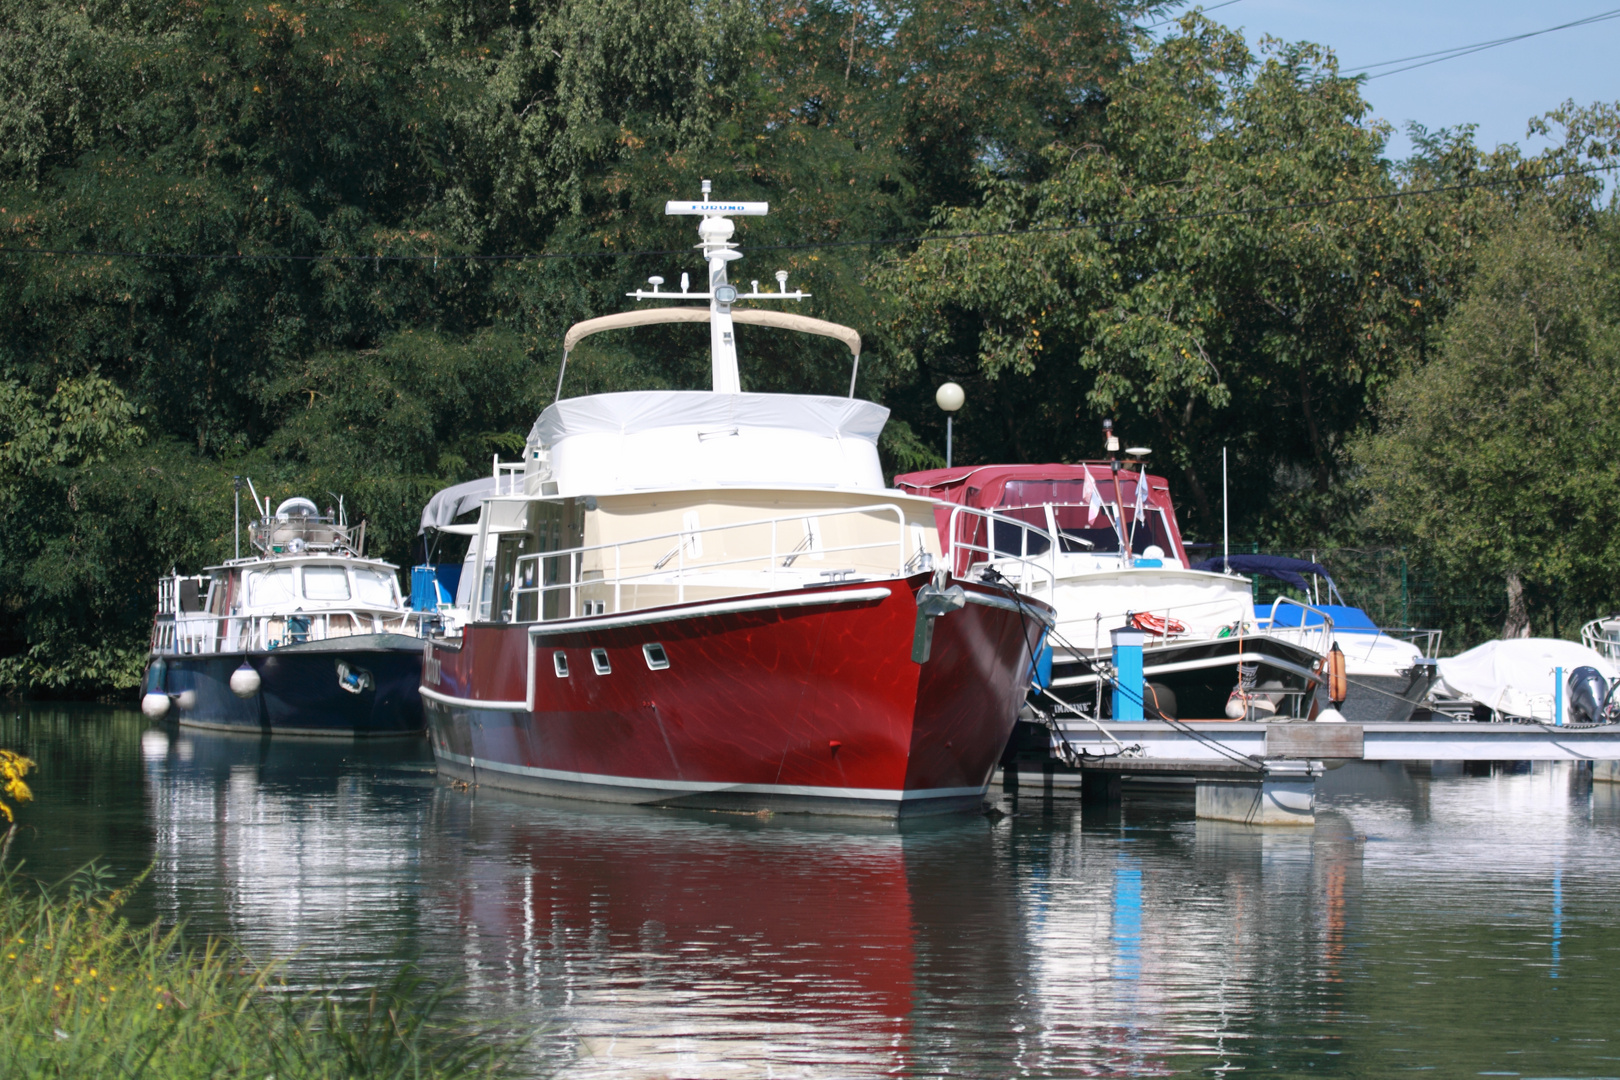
(85, 994)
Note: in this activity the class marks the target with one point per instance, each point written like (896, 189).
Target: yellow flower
(13, 767)
(160, 1004)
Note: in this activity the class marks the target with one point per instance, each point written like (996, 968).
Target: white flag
(1141, 497)
(1093, 497)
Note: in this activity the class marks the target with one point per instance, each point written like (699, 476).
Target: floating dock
(1265, 773)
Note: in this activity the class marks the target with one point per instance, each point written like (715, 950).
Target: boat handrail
(1601, 639)
(960, 554)
(529, 571)
(509, 476)
(1426, 639)
(204, 633)
(1323, 635)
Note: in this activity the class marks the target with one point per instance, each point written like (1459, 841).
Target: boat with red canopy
(713, 599)
(1104, 535)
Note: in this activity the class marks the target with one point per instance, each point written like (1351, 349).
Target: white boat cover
(661, 439)
(452, 502)
(1516, 677)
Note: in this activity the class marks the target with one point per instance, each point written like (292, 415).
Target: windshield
(374, 587)
(1079, 528)
(268, 587)
(326, 583)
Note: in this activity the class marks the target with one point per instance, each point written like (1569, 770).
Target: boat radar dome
(297, 507)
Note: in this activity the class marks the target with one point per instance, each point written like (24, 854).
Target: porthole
(599, 660)
(559, 664)
(657, 658)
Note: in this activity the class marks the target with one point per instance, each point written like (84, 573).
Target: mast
(715, 232)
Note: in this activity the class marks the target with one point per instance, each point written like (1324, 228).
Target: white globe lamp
(950, 398)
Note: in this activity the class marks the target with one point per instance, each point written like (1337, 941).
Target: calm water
(1460, 924)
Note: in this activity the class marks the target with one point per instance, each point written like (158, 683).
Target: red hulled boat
(712, 599)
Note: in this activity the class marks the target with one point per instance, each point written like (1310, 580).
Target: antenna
(714, 234)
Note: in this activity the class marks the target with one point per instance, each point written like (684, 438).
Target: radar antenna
(714, 233)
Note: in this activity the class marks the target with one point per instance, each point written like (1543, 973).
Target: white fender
(245, 681)
(155, 706)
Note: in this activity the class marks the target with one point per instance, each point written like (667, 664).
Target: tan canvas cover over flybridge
(748, 317)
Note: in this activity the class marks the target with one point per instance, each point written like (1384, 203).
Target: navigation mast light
(1112, 444)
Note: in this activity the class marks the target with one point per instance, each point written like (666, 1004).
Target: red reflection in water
(739, 941)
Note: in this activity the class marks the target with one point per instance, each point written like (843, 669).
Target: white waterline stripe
(994, 601)
(724, 607)
(474, 703)
(875, 794)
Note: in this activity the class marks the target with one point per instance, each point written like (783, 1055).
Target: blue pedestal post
(1558, 697)
(1128, 671)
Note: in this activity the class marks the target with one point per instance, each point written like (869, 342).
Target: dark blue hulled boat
(305, 637)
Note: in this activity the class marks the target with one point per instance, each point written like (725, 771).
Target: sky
(1497, 89)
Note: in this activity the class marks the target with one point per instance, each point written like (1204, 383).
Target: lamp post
(950, 398)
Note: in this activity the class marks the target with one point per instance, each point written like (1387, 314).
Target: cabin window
(1079, 528)
(268, 588)
(326, 583)
(375, 587)
(1011, 540)
(599, 661)
(657, 658)
(559, 664)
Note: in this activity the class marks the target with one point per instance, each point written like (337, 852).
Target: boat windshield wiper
(804, 546)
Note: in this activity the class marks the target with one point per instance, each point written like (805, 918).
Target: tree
(1221, 267)
(1500, 457)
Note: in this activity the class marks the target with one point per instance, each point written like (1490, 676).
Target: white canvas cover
(1516, 677)
(664, 439)
(452, 502)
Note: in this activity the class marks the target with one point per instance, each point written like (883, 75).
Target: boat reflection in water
(674, 945)
(639, 942)
(288, 845)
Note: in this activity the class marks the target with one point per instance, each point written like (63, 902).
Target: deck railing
(1318, 637)
(197, 634)
(1603, 637)
(1034, 573)
(678, 565)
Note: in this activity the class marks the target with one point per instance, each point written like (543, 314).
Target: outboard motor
(1588, 693)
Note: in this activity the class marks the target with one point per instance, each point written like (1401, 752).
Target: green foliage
(1139, 295)
(1500, 457)
(89, 995)
(370, 141)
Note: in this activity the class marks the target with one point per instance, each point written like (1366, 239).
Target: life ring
(1153, 624)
